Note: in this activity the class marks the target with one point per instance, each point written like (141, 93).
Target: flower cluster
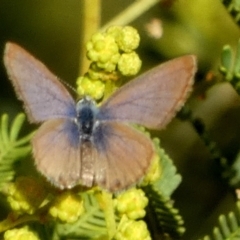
(112, 54)
(67, 207)
(134, 230)
(23, 233)
(25, 195)
(130, 206)
(131, 203)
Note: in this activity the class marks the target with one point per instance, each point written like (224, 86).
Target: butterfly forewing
(153, 98)
(123, 155)
(43, 94)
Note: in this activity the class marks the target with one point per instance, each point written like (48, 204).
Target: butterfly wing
(43, 94)
(61, 156)
(118, 157)
(153, 98)
(123, 155)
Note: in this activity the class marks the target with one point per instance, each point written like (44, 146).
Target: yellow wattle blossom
(93, 88)
(127, 38)
(67, 207)
(23, 233)
(25, 195)
(131, 203)
(103, 50)
(112, 55)
(129, 64)
(132, 230)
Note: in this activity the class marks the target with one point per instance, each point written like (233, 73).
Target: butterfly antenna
(68, 86)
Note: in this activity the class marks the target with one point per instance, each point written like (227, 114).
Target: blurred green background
(51, 31)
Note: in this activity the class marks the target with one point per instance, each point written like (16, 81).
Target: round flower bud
(92, 88)
(131, 203)
(132, 230)
(115, 32)
(128, 39)
(129, 64)
(103, 50)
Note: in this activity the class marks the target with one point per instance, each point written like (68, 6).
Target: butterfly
(80, 143)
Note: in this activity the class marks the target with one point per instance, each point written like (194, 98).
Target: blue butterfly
(79, 143)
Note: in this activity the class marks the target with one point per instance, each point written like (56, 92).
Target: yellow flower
(131, 203)
(132, 230)
(129, 64)
(67, 207)
(25, 195)
(126, 37)
(90, 87)
(103, 50)
(20, 234)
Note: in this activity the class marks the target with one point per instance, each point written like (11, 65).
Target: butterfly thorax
(86, 117)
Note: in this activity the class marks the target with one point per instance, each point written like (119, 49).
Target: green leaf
(237, 61)
(229, 226)
(230, 66)
(161, 205)
(169, 179)
(227, 60)
(167, 217)
(232, 173)
(233, 7)
(12, 149)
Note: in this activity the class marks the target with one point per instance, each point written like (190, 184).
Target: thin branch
(91, 17)
(131, 13)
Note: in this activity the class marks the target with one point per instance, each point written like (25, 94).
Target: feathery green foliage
(167, 217)
(233, 7)
(230, 66)
(169, 171)
(229, 226)
(161, 205)
(12, 148)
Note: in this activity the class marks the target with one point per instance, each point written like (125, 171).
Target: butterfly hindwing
(123, 155)
(56, 150)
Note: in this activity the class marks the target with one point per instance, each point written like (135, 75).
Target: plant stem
(11, 223)
(91, 17)
(131, 13)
